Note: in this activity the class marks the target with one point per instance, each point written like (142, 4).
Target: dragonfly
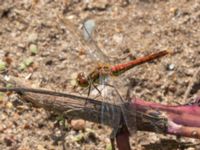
(103, 71)
(116, 70)
(100, 76)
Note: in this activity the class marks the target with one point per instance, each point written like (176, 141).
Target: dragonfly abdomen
(121, 68)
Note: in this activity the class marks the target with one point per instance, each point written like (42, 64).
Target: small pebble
(22, 66)
(27, 126)
(28, 62)
(79, 138)
(92, 136)
(108, 146)
(78, 124)
(73, 79)
(9, 105)
(1, 97)
(32, 37)
(73, 82)
(8, 141)
(118, 38)
(170, 66)
(189, 72)
(190, 148)
(2, 65)
(40, 147)
(21, 45)
(33, 49)
(49, 62)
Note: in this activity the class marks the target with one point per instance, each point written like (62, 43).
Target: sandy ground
(36, 45)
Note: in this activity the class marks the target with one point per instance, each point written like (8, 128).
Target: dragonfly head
(82, 80)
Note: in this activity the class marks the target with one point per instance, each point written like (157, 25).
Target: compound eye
(81, 80)
(81, 76)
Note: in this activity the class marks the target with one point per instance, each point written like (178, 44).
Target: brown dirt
(142, 27)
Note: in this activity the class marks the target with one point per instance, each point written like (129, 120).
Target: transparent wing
(94, 50)
(128, 111)
(111, 94)
(85, 37)
(114, 112)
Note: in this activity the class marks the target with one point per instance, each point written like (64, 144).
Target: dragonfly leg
(89, 90)
(99, 91)
(128, 93)
(90, 86)
(112, 86)
(113, 136)
(96, 88)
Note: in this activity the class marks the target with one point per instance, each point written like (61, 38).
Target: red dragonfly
(100, 74)
(116, 70)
